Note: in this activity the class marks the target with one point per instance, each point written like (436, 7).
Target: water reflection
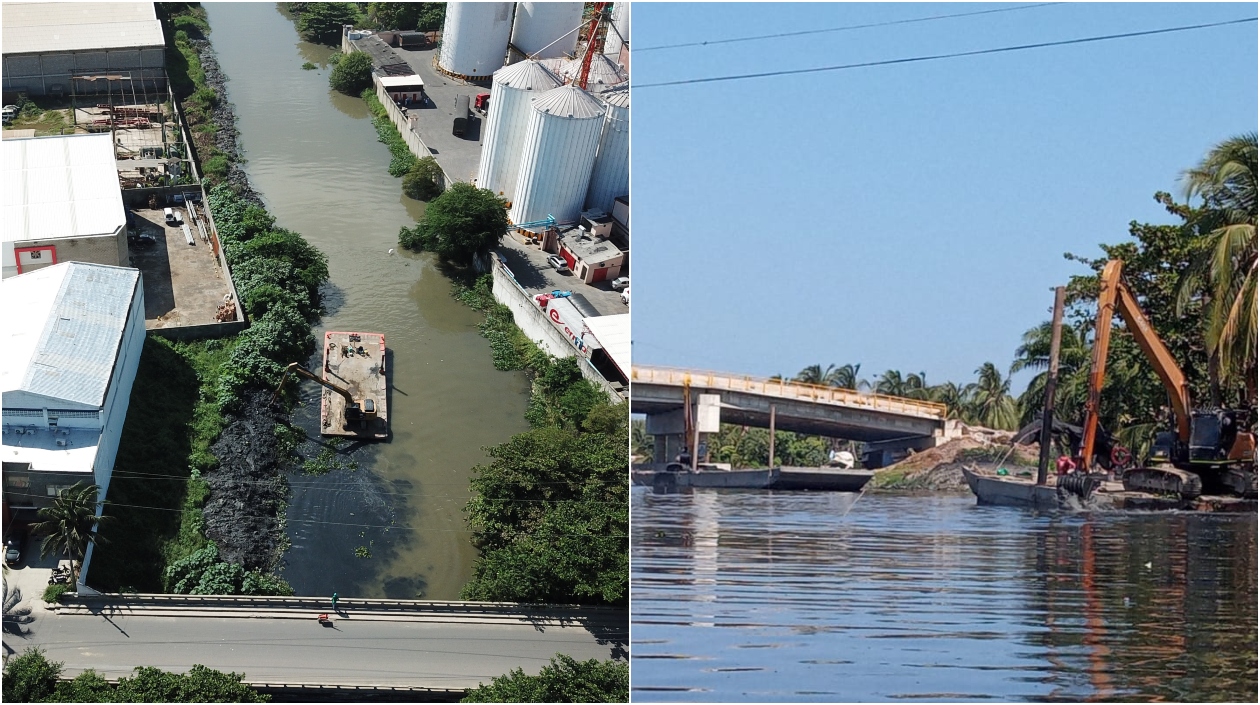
(935, 598)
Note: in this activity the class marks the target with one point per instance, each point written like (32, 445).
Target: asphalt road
(418, 654)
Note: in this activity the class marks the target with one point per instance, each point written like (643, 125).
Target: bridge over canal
(427, 650)
(882, 422)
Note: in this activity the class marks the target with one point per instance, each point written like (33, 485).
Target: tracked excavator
(1204, 451)
(356, 411)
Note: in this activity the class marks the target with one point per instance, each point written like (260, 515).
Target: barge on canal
(822, 479)
(354, 402)
(1077, 492)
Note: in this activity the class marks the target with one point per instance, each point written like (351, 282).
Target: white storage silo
(475, 38)
(610, 176)
(558, 155)
(604, 72)
(539, 25)
(621, 22)
(510, 96)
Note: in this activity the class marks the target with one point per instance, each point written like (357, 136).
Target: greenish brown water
(313, 156)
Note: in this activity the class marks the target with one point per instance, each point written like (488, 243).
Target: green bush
(53, 593)
(402, 160)
(203, 573)
(216, 168)
(191, 26)
(352, 75)
(308, 66)
(424, 181)
(321, 22)
(30, 678)
(564, 680)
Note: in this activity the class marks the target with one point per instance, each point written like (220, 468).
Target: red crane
(596, 16)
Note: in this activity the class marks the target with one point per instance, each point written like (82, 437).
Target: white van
(171, 217)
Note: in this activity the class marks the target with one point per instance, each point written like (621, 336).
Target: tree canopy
(32, 678)
(352, 74)
(564, 680)
(321, 22)
(463, 222)
(70, 524)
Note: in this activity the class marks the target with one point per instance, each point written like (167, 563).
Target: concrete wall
(101, 249)
(410, 136)
(535, 324)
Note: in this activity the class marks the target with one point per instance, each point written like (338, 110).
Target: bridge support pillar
(669, 430)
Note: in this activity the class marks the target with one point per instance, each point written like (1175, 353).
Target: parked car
(12, 550)
(557, 263)
(621, 283)
(9, 112)
(625, 296)
(172, 218)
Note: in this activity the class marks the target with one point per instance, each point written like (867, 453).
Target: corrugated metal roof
(613, 335)
(61, 187)
(568, 102)
(73, 356)
(618, 95)
(527, 75)
(46, 27)
(392, 81)
(604, 71)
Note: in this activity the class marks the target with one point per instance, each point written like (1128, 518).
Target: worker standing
(334, 602)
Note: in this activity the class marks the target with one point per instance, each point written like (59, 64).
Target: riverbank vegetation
(32, 678)
(462, 224)
(564, 680)
(187, 25)
(401, 159)
(352, 74)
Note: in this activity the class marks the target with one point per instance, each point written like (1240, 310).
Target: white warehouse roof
(47, 27)
(411, 80)
(613, 334)
(61, 187)
(62, 326)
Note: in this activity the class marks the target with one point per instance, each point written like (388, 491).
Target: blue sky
(909, 217)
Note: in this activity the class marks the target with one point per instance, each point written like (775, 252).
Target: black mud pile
(248, 491)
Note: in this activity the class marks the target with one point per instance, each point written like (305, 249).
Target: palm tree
(891, 384)
(1226, 267)
(814, 374)
(957, 399)
(846, 377)
(69, 525)
(992, 404)
(1075, 357)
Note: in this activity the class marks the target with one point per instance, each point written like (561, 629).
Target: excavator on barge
(1204, 451)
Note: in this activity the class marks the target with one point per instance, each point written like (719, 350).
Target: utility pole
(1052, 379)
(771, 463)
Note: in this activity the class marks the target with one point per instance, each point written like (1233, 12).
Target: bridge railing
(786, 389)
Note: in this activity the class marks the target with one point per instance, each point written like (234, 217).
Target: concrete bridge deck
(416, 645)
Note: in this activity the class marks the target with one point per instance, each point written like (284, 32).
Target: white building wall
(540, 26)
(475, 37)
(610, 176)
(556, 163)
(117, 400)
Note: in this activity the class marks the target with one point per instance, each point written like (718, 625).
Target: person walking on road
(334, 602)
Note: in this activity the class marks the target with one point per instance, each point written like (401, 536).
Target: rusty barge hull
(355, 361)
(1024, 492)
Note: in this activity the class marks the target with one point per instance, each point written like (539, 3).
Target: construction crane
(597, 16)
(356, 411)
(1204, 446)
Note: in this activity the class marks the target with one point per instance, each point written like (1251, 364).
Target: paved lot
(529, 266)
(453, 654)
(183, 284)
(459, 156)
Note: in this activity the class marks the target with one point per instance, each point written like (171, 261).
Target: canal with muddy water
(313, 157)
(764, 596)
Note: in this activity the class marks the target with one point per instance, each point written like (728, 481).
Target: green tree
(892, 384)
(70, 525)
(463, 222)
(198, 685)
(352, 74)
(424, 16)
(814, 374)
(564, 680)
(955, 397)
(203, 573)
(1072, 388)
(1225, 266)
(321, 22)
(424, 181)
(991, 402)
(641, 443)
(30, 677)
(847, 377)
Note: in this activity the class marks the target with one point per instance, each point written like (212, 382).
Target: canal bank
(312, 156)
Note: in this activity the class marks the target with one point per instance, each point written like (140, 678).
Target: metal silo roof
(618, 95)
(569, 102)
(526, 76)
(604, 71)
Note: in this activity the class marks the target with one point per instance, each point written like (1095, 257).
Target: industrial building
(513, 90)
(610, 175)
(587, 251)
(82, 48)
(62, 202)
(557, 156)
(546, 30)
(608, 338)
(403, 89)
(73, 336)
(474, 39)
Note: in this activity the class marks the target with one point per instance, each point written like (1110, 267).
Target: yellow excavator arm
(295, 367)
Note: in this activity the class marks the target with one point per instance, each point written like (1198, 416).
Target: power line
(934, 57)
(845, 28)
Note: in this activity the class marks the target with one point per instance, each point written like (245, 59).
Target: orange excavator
(1206, 451)
(356, 411)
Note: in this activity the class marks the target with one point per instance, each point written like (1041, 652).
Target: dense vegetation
(424, 181)
(564, 680)
(550, 512)
(462, 223)
(187, 22)
(353, 74)
(422, 16)
(321, 22)
(32, 678)
(402, 160)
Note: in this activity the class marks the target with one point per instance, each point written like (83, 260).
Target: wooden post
(771, 463)
(1052, 378)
